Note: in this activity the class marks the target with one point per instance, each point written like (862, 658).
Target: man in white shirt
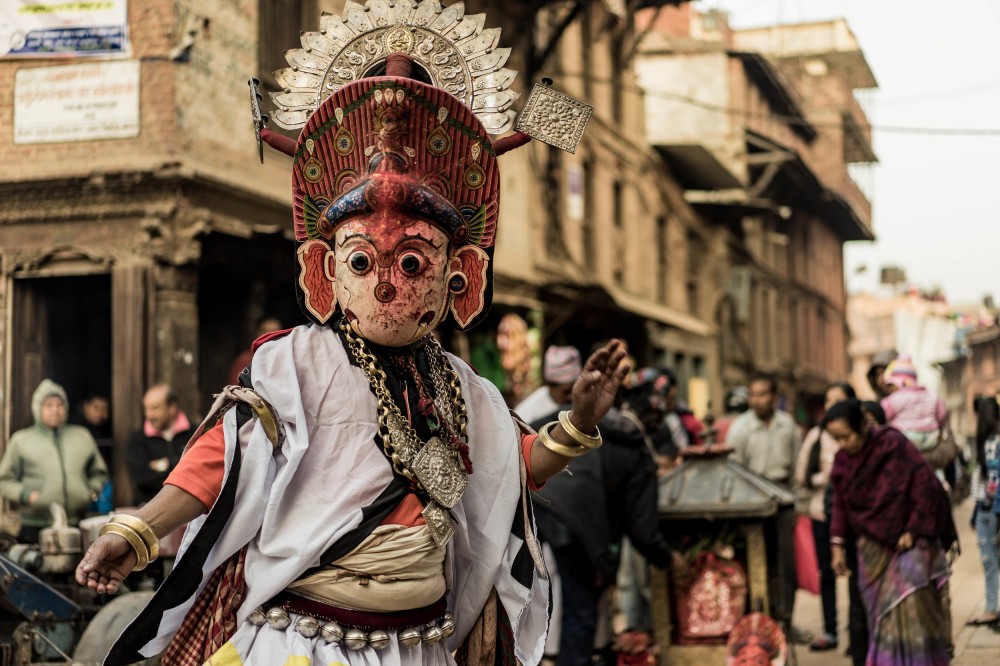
(764, 437)
(765, 440)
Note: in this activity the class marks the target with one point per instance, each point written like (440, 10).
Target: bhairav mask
(396, 193)
(395, 181)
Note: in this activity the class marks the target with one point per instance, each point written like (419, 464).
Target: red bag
(709, 609)
(806, 562)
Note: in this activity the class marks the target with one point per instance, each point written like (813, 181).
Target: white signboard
(49, 28)
(97, 100)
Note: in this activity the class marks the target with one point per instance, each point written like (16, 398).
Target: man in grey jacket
(50, 462)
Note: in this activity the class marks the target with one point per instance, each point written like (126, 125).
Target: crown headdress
(457, 53)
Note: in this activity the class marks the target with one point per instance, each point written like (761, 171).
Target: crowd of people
(66, 455)
(55, 461)
(874, 479)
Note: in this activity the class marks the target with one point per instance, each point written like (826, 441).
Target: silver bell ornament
(378, 639)
(409, 638)
(433, 635)
(307, 626)
(332, 633)
(257, 617)
(355, 639)
(278, 618)
(447, 626)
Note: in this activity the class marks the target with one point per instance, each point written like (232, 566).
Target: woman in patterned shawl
(888, 496)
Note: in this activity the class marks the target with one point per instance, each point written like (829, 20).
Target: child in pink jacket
(912, 409)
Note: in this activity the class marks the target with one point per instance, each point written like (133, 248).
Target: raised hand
(107, 562)
(595, 391)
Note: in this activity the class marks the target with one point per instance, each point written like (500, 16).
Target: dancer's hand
(107, 562)
(595, 391)
(905, 542)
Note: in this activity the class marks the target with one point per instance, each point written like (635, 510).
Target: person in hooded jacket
(51, 462)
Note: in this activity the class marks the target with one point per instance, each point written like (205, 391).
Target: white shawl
(292, 505)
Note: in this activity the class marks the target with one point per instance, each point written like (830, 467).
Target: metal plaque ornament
(438, 470)
(259, 119)
(554, 118)
(439, 523)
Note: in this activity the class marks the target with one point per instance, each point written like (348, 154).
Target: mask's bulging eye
(412, 264)
(359, 262)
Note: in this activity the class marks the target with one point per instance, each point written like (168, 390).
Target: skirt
(905, 595)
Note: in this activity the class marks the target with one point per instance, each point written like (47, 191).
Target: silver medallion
(439, 471)
(439, 522)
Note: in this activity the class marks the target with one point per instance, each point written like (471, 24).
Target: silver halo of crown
(458, 53)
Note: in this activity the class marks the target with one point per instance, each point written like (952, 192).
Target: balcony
(857, 134)
(854, 197)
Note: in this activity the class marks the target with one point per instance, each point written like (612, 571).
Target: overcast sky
(934, 198)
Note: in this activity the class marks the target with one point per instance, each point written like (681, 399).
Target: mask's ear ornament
(467, 284)
(316, 276)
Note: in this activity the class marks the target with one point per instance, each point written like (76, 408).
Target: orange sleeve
(528, 441)
(202, 467)
(408, 513)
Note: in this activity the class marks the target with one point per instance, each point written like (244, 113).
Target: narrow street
(974, 646)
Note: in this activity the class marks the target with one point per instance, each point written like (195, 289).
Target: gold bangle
(580, 437)
(140, 527)
(133, 539)
(557, 448)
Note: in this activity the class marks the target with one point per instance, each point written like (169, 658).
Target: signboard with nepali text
(98, 100)
(53, 29)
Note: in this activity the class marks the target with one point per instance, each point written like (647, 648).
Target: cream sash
(396, 568)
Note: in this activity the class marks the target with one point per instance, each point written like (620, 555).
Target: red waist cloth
(355, 618)
(202, 468)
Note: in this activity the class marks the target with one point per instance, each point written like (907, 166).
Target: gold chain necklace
(399, 439)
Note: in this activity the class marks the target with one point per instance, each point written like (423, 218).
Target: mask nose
(385, 292)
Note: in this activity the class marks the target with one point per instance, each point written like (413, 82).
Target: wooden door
(29, 333)
(132, 295)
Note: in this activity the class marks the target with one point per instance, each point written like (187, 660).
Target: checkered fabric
(212, 619)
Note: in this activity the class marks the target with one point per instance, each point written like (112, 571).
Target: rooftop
(831, 41)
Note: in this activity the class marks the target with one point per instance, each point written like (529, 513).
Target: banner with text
(39, 29)
(97, 100)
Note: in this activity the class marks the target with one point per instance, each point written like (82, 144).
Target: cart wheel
(107, 625)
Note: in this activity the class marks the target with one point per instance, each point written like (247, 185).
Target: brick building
(973, 373)
(760, 126)
(151, 257)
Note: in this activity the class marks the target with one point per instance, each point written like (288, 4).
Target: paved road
(974, 646)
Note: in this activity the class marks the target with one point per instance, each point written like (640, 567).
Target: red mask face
(391, 276)
(753, 654)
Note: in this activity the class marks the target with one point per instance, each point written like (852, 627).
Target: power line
(941, 94)
(795, 120)
(786, 119)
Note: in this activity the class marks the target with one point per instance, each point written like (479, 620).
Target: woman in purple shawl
(888, 496)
